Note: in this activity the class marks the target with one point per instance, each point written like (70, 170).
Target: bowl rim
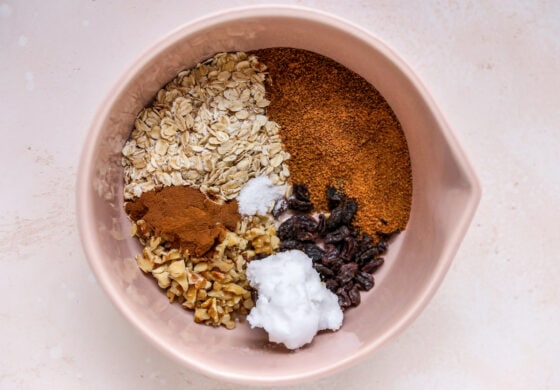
(83, 193)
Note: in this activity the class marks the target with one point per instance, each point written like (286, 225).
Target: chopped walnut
(216, 288)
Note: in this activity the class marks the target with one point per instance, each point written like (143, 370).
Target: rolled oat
(206, 129)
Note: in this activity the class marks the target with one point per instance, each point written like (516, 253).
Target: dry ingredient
(292, 305)
(258, 195)
(341, 132)
(184, 217)
(206, 129)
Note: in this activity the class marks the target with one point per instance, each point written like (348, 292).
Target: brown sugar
(185, 217)
(340, 131)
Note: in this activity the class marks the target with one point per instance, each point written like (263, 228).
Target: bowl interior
(445, 194)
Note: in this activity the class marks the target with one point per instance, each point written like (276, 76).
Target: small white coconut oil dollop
(293, 304)
(258, 196)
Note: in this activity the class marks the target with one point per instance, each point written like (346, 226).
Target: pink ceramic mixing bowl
(446, 193)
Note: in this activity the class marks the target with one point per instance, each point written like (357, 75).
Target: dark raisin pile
(349, 257)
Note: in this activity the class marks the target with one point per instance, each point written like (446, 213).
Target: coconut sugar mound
(340, 132)
(293, 304)
(258, 196)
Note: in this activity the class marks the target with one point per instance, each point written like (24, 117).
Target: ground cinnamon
(340, 131)
(184, 217)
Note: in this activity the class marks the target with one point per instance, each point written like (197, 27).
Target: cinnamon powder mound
(185, 217)
(340, 131)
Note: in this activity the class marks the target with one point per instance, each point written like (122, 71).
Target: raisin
(332, 285)
(364, 280)
(301, 192)
(343, 298)
(386, 236)
(364, 242)
(305, 223)
(289, 245)
(289, 229)
(366, 239)
(313, 251)
(321, 225)
(324, 271)
(334, 197)
(254, 295)
(368, 255)
(338, 235)
(348, 249)
(349, 209)
(354, 295)
(260, 256)
(335, 219)
(304, 236)
(382, 247)
(347, 272)
(286, 230)
(347, 286)
(337, 264)
(280, 207)
(373, 265)
(330, 255)
(300, 205)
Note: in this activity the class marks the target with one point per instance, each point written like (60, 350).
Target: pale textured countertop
(494, 70)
